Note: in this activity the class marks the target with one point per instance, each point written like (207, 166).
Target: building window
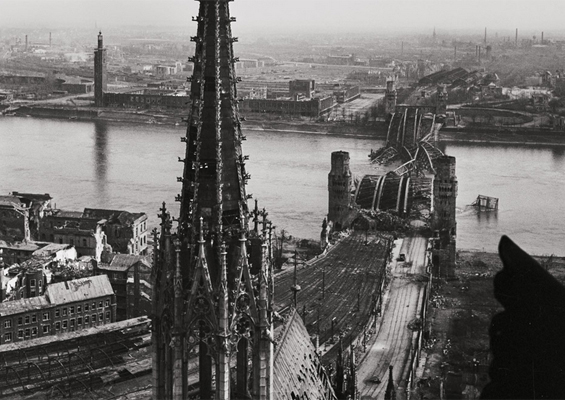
(107, 303)
(101, 317)
(8, 323)
(64, 311)
(108, 315)
(21, 334)
(33, 318)
(57, 326)
(34, 331)
(20, 320)
(27, 332)
(65, 324)
(86, 307)
(46, 329)
(32, 282)
(72, 310)
(79, 309)
(86, 319)
(27, 319)
(60, 241)
(94, 305)
(100, 304)
(72, 323)
(93, 318)
(79, 321)
(7, 337)
(46, 316)
(83, 242)
(72, 242)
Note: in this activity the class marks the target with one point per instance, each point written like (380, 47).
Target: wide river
(134, 167)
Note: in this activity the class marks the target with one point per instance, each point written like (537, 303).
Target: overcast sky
(319, 15)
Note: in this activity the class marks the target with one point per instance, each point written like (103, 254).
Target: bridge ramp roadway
(393, 340)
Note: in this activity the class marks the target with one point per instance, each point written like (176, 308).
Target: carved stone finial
(201, 240)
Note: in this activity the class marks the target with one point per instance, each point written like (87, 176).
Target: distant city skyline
(279, 16)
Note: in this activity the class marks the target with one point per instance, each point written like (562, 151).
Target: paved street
(392, 344)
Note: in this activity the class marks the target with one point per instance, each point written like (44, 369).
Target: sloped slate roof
(122, 262)
(51, 249)
(79, 289)
(23, 305)
(298, 373)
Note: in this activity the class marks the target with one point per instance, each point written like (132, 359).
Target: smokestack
(485, 35)
(455, 53)
(49, 39)
(402, 49)
(26, 44)
(542, 37)
(516, 37)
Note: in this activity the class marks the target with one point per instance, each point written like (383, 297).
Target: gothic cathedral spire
(208, 301)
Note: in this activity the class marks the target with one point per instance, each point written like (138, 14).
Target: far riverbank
(378, 130)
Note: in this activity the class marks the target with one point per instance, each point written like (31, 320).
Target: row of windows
(28, 319)
(87, 319)
(66, 324)
(79, 308)
(32, 318)
(141, 228)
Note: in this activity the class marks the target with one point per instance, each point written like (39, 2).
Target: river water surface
(134, 167)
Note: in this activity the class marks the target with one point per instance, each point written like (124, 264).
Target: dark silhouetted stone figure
(527, 339)
(390, 393)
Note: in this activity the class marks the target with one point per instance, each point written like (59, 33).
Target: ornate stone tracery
(206, 298)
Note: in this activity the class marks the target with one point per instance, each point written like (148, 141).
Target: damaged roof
(23, 305)
(51, 249)
(79, 289)
(122, 262)
(8, 201)
(113, 216)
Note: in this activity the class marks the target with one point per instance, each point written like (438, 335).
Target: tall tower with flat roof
(100, 79)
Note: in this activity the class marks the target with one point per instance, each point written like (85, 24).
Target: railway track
(340, 290)
(83, 361)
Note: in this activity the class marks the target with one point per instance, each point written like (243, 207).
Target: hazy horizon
(316, 16)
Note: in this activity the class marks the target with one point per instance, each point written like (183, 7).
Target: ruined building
(444, 223)
(211, 303)
(100, 78)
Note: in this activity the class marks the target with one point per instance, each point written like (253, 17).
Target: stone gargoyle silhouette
(527, 339)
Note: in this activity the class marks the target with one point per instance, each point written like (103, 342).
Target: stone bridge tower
(100, 78)
(441, 99)
(390, 96)
(339, 187)
(444, 223)
(211, 301)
